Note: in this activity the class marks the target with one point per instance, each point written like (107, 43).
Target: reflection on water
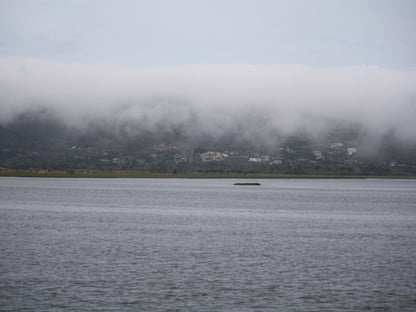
(207, 245)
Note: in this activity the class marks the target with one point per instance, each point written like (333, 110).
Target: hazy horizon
(262, 66)
(213, 99)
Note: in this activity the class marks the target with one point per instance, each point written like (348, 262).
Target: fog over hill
(255, 102)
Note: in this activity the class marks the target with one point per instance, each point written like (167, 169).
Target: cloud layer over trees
(213, 99)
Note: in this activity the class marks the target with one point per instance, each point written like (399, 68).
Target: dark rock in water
(247, 183)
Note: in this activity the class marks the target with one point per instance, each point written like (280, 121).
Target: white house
(213, 156)
(351, 150)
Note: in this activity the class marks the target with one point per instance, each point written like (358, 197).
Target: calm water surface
(207, 245)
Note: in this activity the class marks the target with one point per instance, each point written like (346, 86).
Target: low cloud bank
(213, 99)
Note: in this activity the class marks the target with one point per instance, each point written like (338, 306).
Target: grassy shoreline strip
(189, 175)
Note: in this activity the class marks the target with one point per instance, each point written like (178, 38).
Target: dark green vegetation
(187, 175)
(36, 144)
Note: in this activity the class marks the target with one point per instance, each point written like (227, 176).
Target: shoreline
(181, 175)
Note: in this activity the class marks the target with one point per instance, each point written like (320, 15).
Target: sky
(182, 32)
(286, 64)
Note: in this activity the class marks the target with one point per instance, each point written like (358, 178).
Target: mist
(256, 101)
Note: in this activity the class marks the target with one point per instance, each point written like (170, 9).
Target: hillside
(40, 141)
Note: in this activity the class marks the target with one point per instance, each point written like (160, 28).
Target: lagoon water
(207, 245)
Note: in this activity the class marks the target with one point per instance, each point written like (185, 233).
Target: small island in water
(247, 183)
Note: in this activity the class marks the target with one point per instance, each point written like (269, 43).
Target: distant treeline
(38, 142)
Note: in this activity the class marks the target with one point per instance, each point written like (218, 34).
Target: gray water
(207, 245)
